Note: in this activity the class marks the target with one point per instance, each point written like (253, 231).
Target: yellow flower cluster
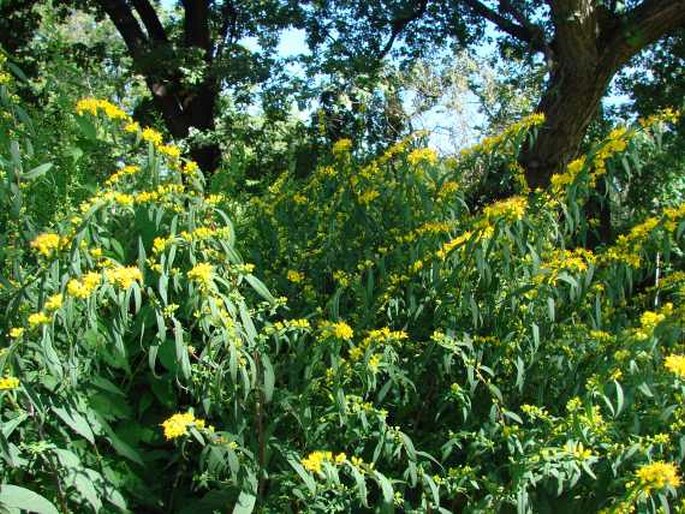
(657, 475)
(560, 181)
(339, 330)
(382, 336)
(160, 193)
(667, 115)
(124, 276)
(178, 424)
(171, 151)
(534, 411)
(490, 143)
(94, 105)
(54, 302)
(452, 244)
(628, 246)
(16, 332)
(649, 320)
(342, 147)
(676, 364)
(448, 189)
(295, 276)
(374, 363)
(151, 136)
(419, 155)
(46, 243)
(616, 142)
(38, 318)
(574, 261)
(82, 288)
(9, 383)
(125, 171)
(288, 324)
(202, 274)
(4, 76)
(315, 460)
(368, 196)
(512, 209)
(132, 127)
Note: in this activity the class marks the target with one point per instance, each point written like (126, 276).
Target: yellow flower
(54, 302)
(16, 332)
(46, 243)
(84, 287)
(649, 320)
(511, 209)
(658, 475)
(315, 460)
(676, 364)
(356, 353)
(93, 105)
(132, 127)
(341, 458)
(340, 330)
(38, 318)
(295, 276)
(299, 199)
(152, 136)
(178, 424)
(89, 105)
(202, 274)
(124, 277)
(342, 147)
(171, 151)
(368, 196)
(374, 362)
(190, 168)
(8, 383)
(420, 155)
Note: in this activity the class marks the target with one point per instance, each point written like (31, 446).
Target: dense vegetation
(333, 320)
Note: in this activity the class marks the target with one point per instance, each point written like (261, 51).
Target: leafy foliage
(435, 350)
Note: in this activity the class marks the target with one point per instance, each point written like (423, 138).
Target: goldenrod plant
(367, 339)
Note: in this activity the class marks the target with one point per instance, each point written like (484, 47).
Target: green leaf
(386, 489)
(269, 378)
(620, 399)
(10, 425)
(260, 288)
(181, 350)
(76, 422)
(37, 171)
(87, 127)
(306, 477)
(247, 498)
(84, 485)
(361, 485)
(15, 497)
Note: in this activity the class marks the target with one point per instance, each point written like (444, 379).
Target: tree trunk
(590, 44)
(182, 106)
(570, 102)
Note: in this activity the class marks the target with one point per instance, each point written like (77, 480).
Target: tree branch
(127, 25)
(399, 24)
(196, 26)
(151, 21)
(229, 15)
(640, 27)
(515, 30)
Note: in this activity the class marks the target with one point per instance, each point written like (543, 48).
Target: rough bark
(589, 46)
(182, 108)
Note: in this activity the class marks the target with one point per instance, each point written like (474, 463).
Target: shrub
(431, 357)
